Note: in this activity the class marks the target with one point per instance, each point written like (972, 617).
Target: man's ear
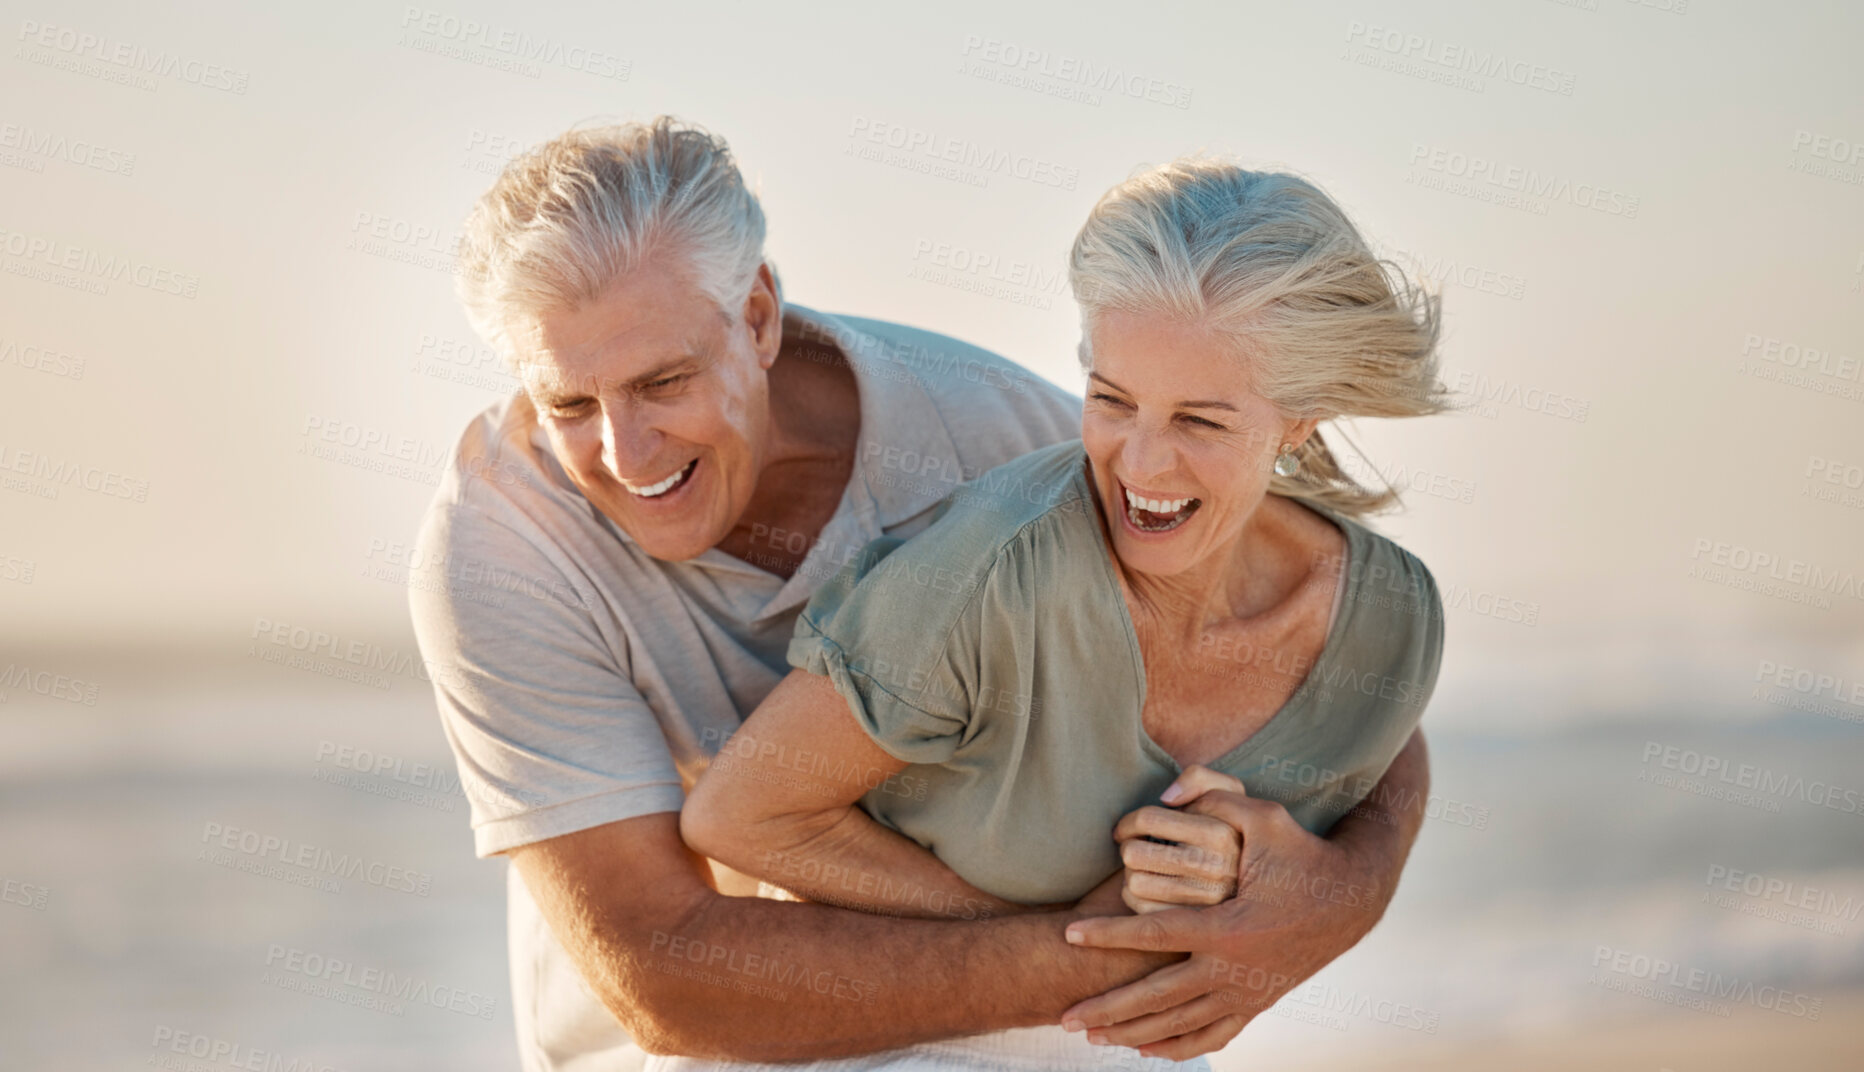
(763, 314)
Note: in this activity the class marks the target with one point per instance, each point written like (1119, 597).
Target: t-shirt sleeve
(896, 632)
(549, 732)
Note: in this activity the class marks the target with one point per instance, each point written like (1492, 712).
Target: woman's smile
(1153, 513)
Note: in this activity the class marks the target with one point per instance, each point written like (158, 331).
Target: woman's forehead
(1157, 355)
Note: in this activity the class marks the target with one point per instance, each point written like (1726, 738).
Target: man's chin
(672, 549)
(668, 543)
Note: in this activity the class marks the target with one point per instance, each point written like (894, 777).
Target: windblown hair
(570, 216)
(1269, 261)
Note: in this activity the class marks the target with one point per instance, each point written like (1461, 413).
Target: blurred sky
(302, 177)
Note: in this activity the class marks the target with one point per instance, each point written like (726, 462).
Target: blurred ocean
(1554, 862)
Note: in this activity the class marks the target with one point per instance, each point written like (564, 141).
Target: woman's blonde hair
(1271, 262)
(570, 216)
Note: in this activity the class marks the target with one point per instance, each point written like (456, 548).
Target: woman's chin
(1151, 558)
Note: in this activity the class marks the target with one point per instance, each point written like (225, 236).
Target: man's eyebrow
(667, 368)
(557, 391)
(1188, 404)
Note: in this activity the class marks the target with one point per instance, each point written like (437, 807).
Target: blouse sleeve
(1427, 651)
(889, 631)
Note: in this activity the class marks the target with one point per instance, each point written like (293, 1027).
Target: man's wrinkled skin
(1301, 901)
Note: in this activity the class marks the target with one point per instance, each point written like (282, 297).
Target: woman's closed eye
(1188, 418)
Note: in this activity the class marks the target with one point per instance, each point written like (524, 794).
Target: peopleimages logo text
(1761, 780)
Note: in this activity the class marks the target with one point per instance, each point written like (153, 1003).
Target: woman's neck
(1255, 573)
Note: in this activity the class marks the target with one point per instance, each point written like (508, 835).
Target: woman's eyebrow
(1197, 404)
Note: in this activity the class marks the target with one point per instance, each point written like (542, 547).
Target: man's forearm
(1378, 833)
(776, 980)
(687, 970)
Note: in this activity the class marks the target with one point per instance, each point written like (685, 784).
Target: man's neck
(815, 427)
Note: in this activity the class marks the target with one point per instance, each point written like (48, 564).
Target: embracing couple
(805, 751)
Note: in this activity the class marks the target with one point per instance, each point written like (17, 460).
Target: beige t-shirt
(995, 654)
(581, 682)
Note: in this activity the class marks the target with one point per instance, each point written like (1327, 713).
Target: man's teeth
(1157, 506)
(663, 486)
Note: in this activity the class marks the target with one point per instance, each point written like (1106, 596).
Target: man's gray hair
(570, 216)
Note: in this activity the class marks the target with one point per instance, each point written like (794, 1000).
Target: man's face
(657, 404)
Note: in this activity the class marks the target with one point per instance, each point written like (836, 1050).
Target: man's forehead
(553, 359)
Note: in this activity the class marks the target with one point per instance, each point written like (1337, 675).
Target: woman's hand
(1175, 856)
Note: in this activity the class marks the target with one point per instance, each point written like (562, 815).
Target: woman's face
(1181, 444)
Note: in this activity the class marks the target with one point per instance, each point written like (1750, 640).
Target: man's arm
(686, 970)
(1318, 898)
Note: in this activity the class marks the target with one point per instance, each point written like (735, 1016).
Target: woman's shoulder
(1030, 513)
(996, 512)
(1391, 596)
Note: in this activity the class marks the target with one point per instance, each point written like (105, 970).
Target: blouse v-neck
(1302, 694)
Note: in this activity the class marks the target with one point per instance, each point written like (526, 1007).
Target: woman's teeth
(664, 486)
(1158, 506)
(1158, 515)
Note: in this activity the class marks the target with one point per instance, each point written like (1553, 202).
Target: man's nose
(628, 442)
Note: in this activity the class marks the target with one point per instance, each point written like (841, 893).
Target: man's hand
(1301, 901)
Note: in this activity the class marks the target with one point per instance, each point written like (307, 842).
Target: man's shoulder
(961, 371)
(505, 509)
(994, 408)
(499, 469)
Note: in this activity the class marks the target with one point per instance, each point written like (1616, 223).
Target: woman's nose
(1144, 456)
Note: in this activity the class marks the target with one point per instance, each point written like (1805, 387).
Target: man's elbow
(648, 997)
(651, 1015)
(665, 1022)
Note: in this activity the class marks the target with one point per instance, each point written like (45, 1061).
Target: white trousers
(1023, 1049)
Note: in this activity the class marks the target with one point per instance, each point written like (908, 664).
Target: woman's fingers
(1184, 827)
(1184, 860)
(1197, 867)
(1197, 780)
(1140, 906)
(1168, 890)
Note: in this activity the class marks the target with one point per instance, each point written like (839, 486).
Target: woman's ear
(1300, 430)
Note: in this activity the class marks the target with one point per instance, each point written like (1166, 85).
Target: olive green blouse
(994, 653)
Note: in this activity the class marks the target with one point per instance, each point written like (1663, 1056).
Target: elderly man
(693, 458)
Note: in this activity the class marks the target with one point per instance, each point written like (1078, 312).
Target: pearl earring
(1286, 464)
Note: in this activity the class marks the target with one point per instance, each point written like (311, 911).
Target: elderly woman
(1185, 588)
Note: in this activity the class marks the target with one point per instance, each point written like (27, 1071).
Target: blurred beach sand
(1746, 1042)
(1540, 852)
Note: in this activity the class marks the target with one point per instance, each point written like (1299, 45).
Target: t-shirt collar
(900, 426)
(906, 459)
